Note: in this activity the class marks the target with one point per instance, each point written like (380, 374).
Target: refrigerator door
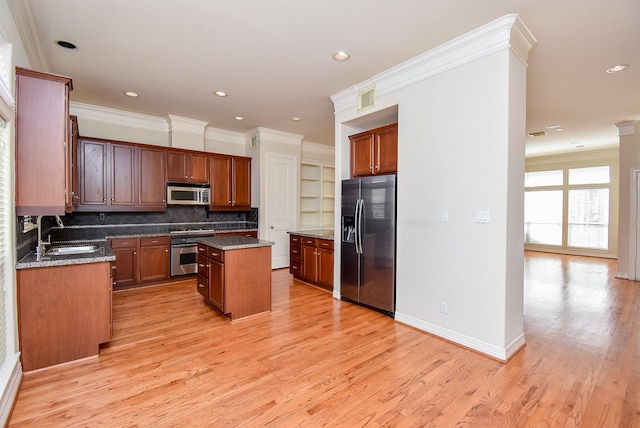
(349, 258)
(377, 271)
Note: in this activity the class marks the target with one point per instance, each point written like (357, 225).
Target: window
(568, 207)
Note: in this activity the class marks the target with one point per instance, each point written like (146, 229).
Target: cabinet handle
(200, 249)
(113, 268)
(294, 267)
(135, 252)
(166, 251)
(294, 251)
(201, 265)
(200, 285)
(214, 254)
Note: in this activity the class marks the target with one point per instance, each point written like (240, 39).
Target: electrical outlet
(444, 308)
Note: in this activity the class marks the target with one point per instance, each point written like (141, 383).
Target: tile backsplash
(97, 225)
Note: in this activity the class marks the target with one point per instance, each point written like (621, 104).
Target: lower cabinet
(311, 260)
(64, 313)
(141, 260)
(236, 282)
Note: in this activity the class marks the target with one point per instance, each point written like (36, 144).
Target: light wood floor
(313, 361)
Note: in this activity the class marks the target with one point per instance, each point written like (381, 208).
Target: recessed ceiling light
(131, 94)
(341, 56)
(65, 44)
(617, 68)
(221, 93)
(239, 118)
(553, 126)
(579, 146)
(296, 119)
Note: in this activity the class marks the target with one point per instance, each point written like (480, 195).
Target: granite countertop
(315, 233)
(226, 243)
(105, 254)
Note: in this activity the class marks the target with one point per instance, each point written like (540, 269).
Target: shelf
(317, 195)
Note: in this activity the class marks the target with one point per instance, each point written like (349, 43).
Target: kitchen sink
(73, 249)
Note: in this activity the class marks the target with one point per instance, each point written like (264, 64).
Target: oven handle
(183, 245)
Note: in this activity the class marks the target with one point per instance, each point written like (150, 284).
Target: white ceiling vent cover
(366, 98)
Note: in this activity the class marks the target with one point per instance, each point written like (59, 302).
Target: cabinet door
(177, 166)
(154, 263)
(216, 284)
(199, 168)
(220, 181)
(92, 177)
(309, 263)
(386, 150)
(151, 178)
(126, 271)
(325, 268)
(362, 155)
(241, 182)
(123, 167)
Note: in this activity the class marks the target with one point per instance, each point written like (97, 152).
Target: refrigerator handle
(356, 216)
(361, 226)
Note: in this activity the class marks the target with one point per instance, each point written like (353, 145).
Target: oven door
(184, 259)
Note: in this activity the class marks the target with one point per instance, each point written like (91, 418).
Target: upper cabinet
(230, 182)
(185, 167)
(43, 149)
(115, 176)
(375, 151)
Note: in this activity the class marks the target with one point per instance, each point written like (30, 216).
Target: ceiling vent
(366, 98)
(537, 134)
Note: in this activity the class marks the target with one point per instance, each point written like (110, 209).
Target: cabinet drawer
(311, 242)
(154, 240)
(202, 249)
(203, 265)
(124, 243)
(295, 239)
(202, 285)
(215, 254)
(325, 243)
(295, 268)
(295, 252)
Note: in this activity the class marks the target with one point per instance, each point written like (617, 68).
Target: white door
(281, 197)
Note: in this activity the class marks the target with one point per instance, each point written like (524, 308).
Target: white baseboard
(14, 376)
(502, 354)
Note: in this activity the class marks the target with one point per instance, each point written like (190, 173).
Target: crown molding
(231, 137)
(275, 135)
(508, 32)
(118, 117)
(26, 24)
(185, 124)
(628, 127)
(317, 148)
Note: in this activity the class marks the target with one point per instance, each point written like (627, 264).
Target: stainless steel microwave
(188, 194)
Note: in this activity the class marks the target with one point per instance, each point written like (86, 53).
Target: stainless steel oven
(184, 251)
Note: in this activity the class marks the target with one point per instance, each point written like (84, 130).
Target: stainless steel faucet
(42, 245)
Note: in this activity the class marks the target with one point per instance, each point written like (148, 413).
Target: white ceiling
(274, 58)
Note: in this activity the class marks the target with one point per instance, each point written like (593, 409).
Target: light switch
(482, 216)
(444, 216)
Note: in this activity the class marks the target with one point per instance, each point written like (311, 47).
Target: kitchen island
(234, 274)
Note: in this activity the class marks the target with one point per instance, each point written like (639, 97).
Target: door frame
(634, 226)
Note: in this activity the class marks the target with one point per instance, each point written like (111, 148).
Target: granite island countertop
(314, 233)
(226, 243)
(104, 254)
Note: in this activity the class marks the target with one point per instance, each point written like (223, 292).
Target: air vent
(537, 134)
(366, 98)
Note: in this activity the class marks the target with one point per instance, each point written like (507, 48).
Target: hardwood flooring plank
(315, 361)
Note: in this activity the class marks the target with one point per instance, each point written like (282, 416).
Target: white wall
(461, 142)
(629, 159)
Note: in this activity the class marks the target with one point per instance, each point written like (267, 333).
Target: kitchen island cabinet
(64, 312)
(375, 151)
(234, 274)
(43, 146)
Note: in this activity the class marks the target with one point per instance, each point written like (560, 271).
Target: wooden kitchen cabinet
(311, 260)
(375, 151)
(155, 258)
(141, 260)
(127, 270)
(230, 182)
(115, 176)
(186, 167)
(238, 281)
(43, 149)
(64, 313)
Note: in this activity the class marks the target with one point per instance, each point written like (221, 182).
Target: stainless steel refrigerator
(368, 244)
